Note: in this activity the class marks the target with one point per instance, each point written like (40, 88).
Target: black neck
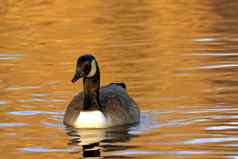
(91, 92)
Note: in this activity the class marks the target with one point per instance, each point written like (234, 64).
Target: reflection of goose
(93, 141)
(97, 107)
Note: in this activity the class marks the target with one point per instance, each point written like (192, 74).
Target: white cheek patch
(93, 69)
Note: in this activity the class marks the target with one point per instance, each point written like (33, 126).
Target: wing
(118, 106)
(73, 109)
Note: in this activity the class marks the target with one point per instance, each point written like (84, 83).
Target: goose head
(86, 67)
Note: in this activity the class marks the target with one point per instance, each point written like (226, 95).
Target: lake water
(178, 58)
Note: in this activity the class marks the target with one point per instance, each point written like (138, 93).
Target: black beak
(76, 77)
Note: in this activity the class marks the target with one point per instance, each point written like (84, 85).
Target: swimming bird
(99, 107)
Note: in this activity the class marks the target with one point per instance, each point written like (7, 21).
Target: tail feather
(121, 84)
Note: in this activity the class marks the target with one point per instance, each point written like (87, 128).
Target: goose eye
(87, 68)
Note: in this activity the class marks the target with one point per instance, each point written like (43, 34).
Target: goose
(99, 107)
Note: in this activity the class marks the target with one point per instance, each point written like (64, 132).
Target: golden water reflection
(178, 58)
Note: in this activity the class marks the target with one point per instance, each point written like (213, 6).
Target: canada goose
(97, 107)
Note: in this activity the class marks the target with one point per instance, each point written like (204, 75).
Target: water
(178, 58)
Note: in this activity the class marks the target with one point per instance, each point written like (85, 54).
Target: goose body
(119, 109)
(101, 107)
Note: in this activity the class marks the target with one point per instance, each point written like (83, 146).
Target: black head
(86, 67)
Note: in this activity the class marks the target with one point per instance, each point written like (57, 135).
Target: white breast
(91, 119)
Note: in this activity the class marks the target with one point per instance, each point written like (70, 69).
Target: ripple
(205, 39)
(210, 140)
(212, 110)
(219, 66)
(40, 94)
(14, 88)
(215, 54)
(40, 100)
(33, 112)
(148, 121)
(222, 117)
(233, 123)
(51, 125)
(211, 67)
(4, 56)
(58, 118)
(3, 102)
(50, 94)
(30, 100)
(39, 149)
(221, 127)
(151, 152)
(233, 157)
(13, 124)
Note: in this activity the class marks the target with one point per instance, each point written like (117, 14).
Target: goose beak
(76, 77)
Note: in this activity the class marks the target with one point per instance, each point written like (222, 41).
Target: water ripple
(210, 140)
(205, 39)
(215, 54)
(39, 149)
(34, 112)
(50, 125)
(14, 88)
(211, 67)
(3, 102)
(151, 152)
(4, 56)
(221, 127)
(40, 100)
(149, 121)
(13, 124)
